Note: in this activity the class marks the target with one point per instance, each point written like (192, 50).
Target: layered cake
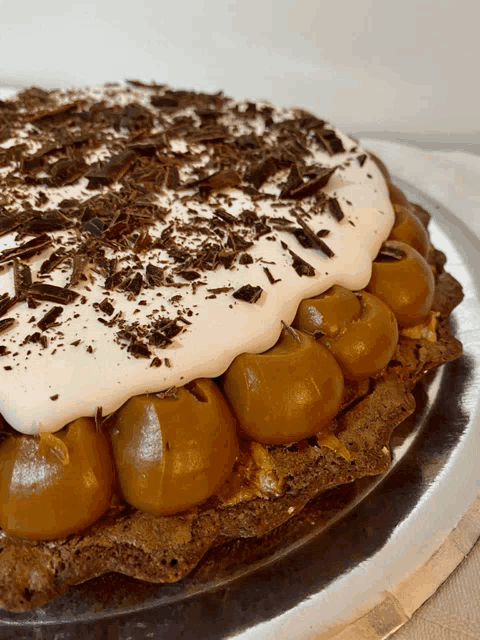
(211, 312)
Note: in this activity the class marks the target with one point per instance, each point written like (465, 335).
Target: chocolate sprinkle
(106, 307)
(310, 188)
(270, 277)
(301, 266)
(50, 318)
(22, 277)
(317, 242)
(139, 350)
(335, 209)
(6, 323)
(248, 293)
(27, 249)
(52, 293)
(390, 254)
(361, 159)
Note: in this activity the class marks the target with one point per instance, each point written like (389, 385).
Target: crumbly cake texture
(269, 484)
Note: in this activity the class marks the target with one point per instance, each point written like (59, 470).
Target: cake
(211, 311)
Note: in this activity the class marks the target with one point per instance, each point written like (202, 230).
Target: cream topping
(85, 364)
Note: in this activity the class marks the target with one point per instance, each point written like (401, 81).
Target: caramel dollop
(359, 329)
(55, 484)
(404, 280)
(409, 229)
(287, 393)
(173, 451)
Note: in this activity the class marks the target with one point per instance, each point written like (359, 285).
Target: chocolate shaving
(67, 171)
(95, 227)
(51, 263)
(390, 254)
(27, 249)
(159, 340)
(245, 258)
(112, 171)
(248, 293)
(189, 274)
(227, 217)
(6, 303)
(310, 188)
(261, 172)
(361, 159)
(172, 178)
(52, 293)
(134, 285)
(302, 238)
(161, 102)
(50, 318)
(22, 277)
(224, 179)
(139, 350)
(302, 267)
(156, 362)
(51, 113)
(317, 242)
(335, 209)
(330, 141)
(294, 180)
(43, 222)
(79, 263)
(54, 397)
(209, 134)
(218, 290)
(271, 279)
(145, 149)
(106, 306)
(9, 222)
(155, 275)
(6, 323)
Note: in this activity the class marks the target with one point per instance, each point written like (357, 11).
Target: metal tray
(338, 558)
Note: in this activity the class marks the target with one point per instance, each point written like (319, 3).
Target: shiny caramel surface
(359, 329)
(174, 451)
(54, 484)
(406, 285)
(409, 229)
(286, 394)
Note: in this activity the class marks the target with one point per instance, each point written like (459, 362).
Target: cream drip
(42, 389)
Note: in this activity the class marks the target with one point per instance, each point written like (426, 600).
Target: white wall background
(401, 65)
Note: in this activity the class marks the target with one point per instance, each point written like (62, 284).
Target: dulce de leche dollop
(174, 450)
(287, 393)
(359, 329)
(55, 484)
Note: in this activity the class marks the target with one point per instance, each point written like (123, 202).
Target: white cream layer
(221, 328)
